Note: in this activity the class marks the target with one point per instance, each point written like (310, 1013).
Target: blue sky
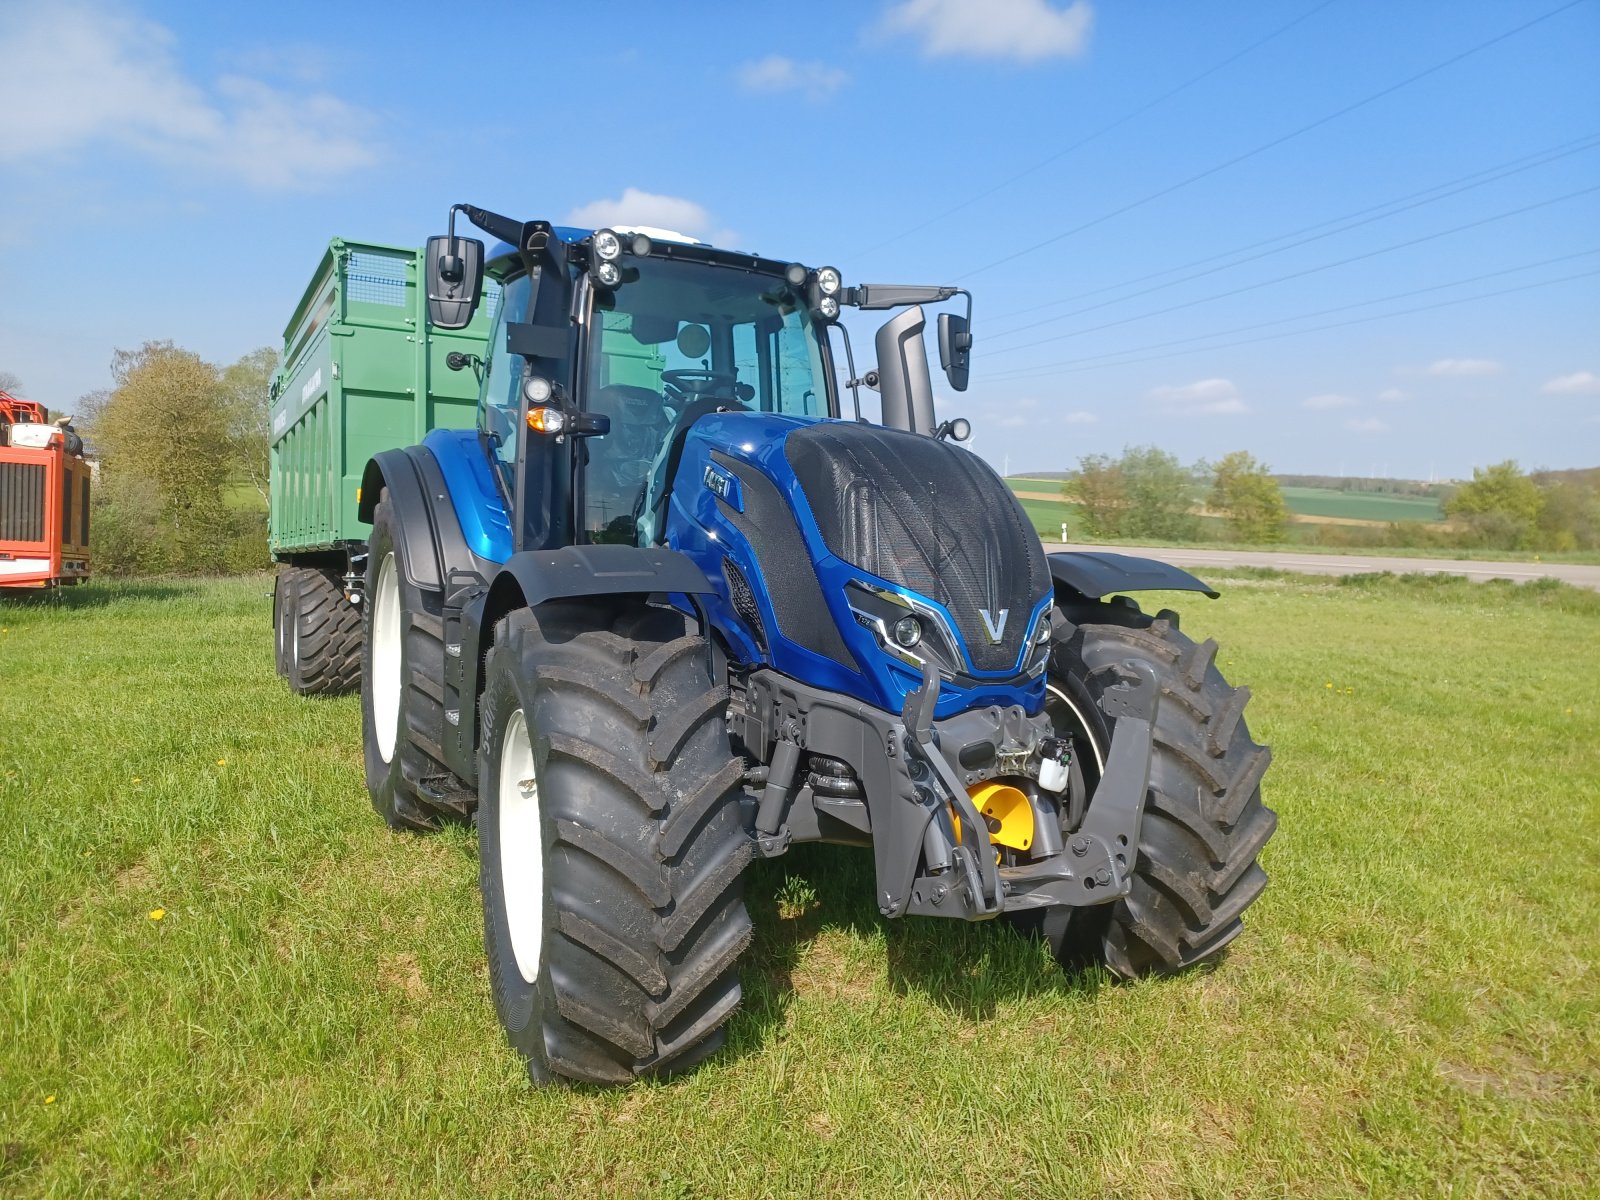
(174, 169)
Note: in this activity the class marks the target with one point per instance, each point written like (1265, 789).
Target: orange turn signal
(546, 420)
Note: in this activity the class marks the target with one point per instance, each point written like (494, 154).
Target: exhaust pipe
(903, 379)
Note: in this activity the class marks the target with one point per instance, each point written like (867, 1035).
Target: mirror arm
(851, 381)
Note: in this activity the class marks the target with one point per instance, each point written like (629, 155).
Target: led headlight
(641, 246)
(537, 389)
(1041, 635)
(828, 307)
(607, 246)
(828, 280)
(609, 274)
(795, 273)
(908, 631)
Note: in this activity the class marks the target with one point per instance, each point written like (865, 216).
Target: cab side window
(501, 407)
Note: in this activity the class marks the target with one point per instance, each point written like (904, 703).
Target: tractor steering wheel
(700, 383)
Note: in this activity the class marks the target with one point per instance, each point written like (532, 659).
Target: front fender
(1093, 574)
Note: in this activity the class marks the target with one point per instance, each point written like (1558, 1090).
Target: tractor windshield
(681, 340)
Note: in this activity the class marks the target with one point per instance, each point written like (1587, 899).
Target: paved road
(1356, 564)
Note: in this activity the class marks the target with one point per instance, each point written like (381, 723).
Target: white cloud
(1012, 422)
(1022, 30)
(1367, 425)
(638, 207)
(1327, 400)
(1464, 367)
(1579, 383)
(775, 73)
(1204, 397)
(1391, 395)
(82, 78)
(1080, 418)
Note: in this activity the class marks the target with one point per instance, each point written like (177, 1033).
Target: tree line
(1149, 494)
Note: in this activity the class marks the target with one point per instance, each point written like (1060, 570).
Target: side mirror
(454, 278)
(955, 349)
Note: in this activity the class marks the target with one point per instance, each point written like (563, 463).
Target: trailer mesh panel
(21, 502)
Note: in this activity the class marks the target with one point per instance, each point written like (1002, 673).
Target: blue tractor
(668, 609)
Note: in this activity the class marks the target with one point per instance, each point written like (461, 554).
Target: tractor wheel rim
(521, 842)
(386, 659)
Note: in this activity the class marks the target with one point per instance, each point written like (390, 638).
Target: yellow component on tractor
(1008, 811)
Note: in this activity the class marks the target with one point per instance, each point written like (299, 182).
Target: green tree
(1161, 492)
(1569, 515)
(247, 402)
(1245, 492)
(1501, 506)
(164, 434)
(1097, 488)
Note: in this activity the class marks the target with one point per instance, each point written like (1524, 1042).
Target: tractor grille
(744, 601)
(932, 518)
(21, 502)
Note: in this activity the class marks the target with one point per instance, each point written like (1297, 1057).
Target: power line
(1275, 142)
(1327, 266)
(1366, 216)
(1066, 367)
(1099, 133)
(1021, 372)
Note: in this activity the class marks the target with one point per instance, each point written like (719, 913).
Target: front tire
(1204, 823)
(612, 852)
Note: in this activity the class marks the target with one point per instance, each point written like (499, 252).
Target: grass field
(1364, 506)
(220, 976)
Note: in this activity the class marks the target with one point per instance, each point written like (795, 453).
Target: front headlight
(828, 281)
(607, 246)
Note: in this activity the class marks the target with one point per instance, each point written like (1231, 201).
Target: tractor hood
(826, 533)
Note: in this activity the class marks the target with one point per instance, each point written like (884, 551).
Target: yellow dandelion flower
(136, 779)
(222, 762)
(157, 913)
(50, 1099)
(1327, 685)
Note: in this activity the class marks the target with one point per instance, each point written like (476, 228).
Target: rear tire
(612, 871)
(1204, 823)
(402, 682)
(322, 651)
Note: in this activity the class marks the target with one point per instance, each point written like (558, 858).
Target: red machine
(44, 499)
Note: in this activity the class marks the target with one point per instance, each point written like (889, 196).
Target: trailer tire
(283, 589)
(322, 654)
(402, 674)
(1204, 823)
(612, 847)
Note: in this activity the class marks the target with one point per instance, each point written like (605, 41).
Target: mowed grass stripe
(1413, 1006)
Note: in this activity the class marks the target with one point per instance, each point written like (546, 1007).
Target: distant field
(220, 975)
(1362, 506)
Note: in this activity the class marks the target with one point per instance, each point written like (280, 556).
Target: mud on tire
(626, 964)
(1204, 823)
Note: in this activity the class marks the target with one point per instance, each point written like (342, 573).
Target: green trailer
(362, 371)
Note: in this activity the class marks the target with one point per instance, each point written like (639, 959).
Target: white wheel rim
(386, 659)
(521, 837)
(1099, 759)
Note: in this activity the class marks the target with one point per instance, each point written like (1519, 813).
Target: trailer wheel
(402, 664)
(612, 850)
(322, 636)
(1204, 823)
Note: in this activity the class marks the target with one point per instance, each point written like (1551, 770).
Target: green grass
(1365, 506)
(1414, 1007)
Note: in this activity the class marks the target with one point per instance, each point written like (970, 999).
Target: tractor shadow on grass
(818, 932)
